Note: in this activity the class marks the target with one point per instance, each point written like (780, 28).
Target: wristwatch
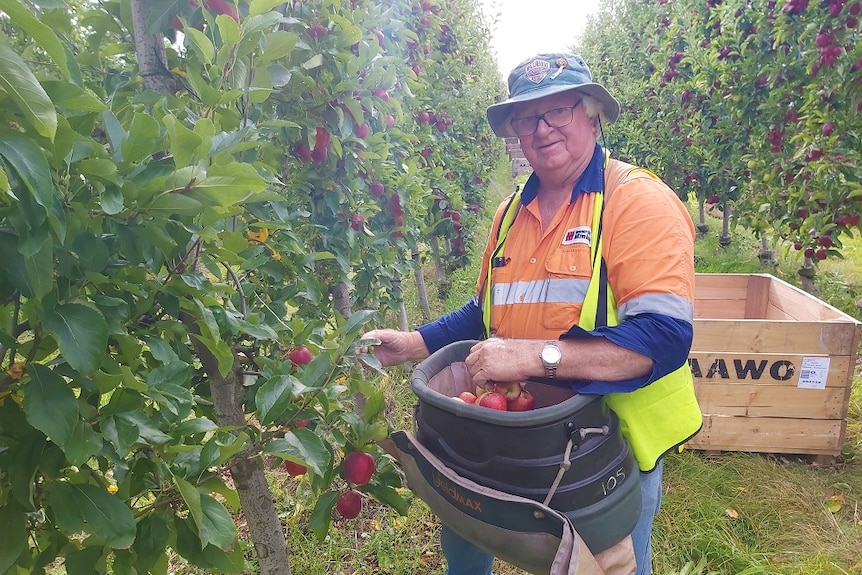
(551, 356)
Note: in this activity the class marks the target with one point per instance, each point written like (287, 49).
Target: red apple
(362, 130)
(378, 190)
(317, 31)
(509, 389)
(494, 400)
(349, 504)
(302, 153)
(467, 397)
(300, 356)
(222, 7)
(524, 402)
(358, 467)
(294, 469)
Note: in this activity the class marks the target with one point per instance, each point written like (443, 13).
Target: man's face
(554, 151)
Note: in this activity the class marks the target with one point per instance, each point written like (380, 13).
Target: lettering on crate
(454, 494)
(720, 368)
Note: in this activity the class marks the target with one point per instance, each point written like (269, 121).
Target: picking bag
(520, 531)
(568, 453)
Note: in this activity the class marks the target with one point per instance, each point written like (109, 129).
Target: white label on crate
(813, 373)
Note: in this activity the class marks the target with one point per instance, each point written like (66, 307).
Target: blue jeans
(464, 558)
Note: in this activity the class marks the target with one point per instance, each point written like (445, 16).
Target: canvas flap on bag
(519, 531)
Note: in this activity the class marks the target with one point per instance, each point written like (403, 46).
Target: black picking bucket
(521, 452)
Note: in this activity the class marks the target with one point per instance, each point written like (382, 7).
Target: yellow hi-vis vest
(654, 419)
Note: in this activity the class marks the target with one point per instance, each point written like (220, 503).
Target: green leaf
(228, 29)
(217, 525)
(72, 97)
(389, 496)
(150, 542)
(277, 45)
(321, 516)
(144, 134)
(52, 408)
(356, 322)
(14, 540)
(192, 498)
(84, 561)
(87, 508)
(28, 160)
(313, 62)
(229, 184)
(184, 142)
(170, 204)
(18, 81)
(201, 43)
(274, 396)
(81, 333)
(39, 267)
(260, 6)
(302, 445)
(374, 405)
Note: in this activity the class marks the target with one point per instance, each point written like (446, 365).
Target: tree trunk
(442, 278)
(766, 255)
(806, 276)
(246, 468)
(150, 51)
(724, 240)
(702, 227)
(398, 292)
(340, 293)
(422, 292)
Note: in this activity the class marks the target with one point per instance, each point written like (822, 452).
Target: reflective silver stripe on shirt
(574, 291)
(540, 291)
(666, 304)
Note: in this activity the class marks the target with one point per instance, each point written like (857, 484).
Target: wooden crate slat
(770, 435)
(757, 301)
(781, 370)
(765, 336)
(790, 301)
(756, 400)
(719, 309)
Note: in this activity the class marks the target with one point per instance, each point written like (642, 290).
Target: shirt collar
(592, 180)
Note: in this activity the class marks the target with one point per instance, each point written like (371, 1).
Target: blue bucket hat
(544, 75)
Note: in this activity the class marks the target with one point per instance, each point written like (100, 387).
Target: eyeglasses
(556, 118)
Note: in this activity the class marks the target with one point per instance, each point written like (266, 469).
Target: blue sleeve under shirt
(461, 324)
(663, 339)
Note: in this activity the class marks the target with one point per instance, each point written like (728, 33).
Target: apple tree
(177, 213)
(759, 99)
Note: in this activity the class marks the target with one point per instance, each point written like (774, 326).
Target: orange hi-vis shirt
(540, 280)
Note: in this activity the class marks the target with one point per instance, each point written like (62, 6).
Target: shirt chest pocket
(568, 271)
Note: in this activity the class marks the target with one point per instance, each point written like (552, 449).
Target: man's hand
(396, 347)
(498, 359)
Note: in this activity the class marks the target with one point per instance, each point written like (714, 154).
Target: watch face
(551, 354)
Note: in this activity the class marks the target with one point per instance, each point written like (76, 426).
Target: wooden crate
(773, 366)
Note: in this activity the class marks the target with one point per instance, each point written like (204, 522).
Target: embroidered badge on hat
(537, 70)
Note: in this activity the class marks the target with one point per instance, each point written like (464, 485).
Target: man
(587, 279)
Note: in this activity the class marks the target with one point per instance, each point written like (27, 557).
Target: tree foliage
(750, 104)
(172, 226)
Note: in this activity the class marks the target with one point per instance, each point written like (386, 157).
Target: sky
(528, 27)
